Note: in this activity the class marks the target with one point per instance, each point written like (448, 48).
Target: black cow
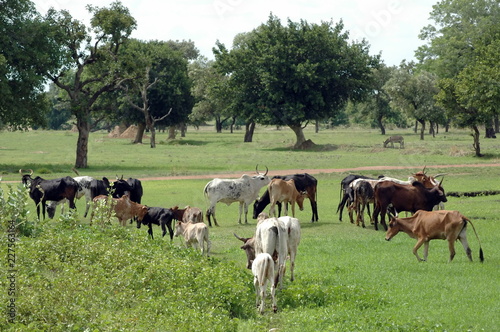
(42, 190)
(303, 182)
(158, 216)
(346, 191)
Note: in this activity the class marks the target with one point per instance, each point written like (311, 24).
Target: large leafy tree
(160, 88)
(90, 59)
(414, 91)
(462, 49)
(289, 75)
(22, 39)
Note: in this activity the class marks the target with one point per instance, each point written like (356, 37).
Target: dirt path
(315, 171)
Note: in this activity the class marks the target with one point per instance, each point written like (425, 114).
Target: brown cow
(124, 208)
(410, 198)
(284, 192)
(430, 225)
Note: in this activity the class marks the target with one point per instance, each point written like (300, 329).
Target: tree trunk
(476, 145)
(431, 129)
(416, 127)
(183, 129)
(381, 125)
(140, 132)
(490, 131)
(82, 144)
(497, 125)
(249, 129)
(422, 129)
(299, 134)
(232, 124)
(171, 132)
(218, 124)
(316, 126)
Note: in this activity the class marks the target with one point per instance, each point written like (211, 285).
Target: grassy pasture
(347, 278)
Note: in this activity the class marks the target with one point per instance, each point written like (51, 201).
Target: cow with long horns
(244, 190)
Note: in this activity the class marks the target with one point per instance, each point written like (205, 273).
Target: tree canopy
(22, 101)
(462, 50)
(289, 75)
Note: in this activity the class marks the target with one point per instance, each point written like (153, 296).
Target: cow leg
(350, 208)
(314, 209)
(292, 265)
(209, 245)
(451, 245)
(271, 209)
(293, 209)
(87, 207)
(241, 210)
(417, 246)
(246, 212)
(273, 296)
(150, 231)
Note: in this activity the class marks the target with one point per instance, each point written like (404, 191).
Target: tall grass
(73, 277)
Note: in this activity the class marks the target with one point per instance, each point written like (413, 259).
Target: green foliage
(107, 278)
(14, 212)
(22, 102)
(287, 75)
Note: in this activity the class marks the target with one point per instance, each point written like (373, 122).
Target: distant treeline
(473, 193)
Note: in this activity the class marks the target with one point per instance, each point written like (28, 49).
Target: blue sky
(390, 26)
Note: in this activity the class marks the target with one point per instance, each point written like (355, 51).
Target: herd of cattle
(275, 238)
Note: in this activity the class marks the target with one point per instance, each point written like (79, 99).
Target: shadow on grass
(315, 148)
(183, 142)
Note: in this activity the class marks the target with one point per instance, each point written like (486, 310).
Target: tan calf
(194, 234)
(284, 192)
(430, 225)
(124, 208)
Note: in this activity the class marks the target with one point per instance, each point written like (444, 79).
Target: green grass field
(73, 277)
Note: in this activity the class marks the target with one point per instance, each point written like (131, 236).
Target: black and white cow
(42, 190)
(83, 190)
(304, 183)
(243, 190)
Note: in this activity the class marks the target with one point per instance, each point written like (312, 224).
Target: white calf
(292, 228)
(194, 234)
(263, 271)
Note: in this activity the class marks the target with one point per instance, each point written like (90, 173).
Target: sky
(391, 27)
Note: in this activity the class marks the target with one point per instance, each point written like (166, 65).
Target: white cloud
(390, 26)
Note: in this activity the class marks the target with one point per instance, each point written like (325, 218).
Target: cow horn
(423, 171)
(76, 172)
(239, 238)
(441, 182)
(440, 174)
(257, 170)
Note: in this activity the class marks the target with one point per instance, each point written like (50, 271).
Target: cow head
(143, 210)
(249, 247)
(26, 178)
(394, 228)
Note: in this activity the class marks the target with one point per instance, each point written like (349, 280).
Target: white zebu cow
(271, 237)
(244, 190)
(83, 190)
(194, 234)
(292, 228)
(263, 271)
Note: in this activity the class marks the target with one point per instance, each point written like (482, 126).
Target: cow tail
(481, 255)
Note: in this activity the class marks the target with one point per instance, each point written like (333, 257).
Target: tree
(23, 103)
(211, 93)
(462, 50)
(90, 59)
(414, 93)
(153, 64)
(377, 106)
(290, 75)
